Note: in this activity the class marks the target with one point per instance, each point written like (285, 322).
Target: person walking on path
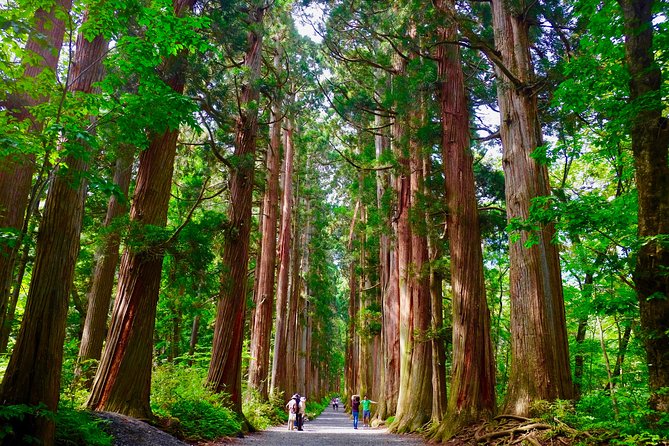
(292, 412)
(355, 409)
(301, 412)
(366, 410)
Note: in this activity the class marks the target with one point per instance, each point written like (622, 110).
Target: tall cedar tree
(259, 373)
(34, 371)
(540, 357)
(16, 170)
(278, 385)
(389, 304)
(650, 142)
(123, 380)
(472, 391)
(99, 296)
(225, 369)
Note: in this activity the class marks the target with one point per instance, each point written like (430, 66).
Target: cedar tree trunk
(123, 380)
(472, 391)
(34, 371)
(540, 364)
(16, 171)
(225, 370)
(650, 141)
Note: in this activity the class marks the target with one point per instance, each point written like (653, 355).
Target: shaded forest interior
(459, 209)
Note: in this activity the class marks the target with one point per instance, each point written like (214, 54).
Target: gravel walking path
(329, 429)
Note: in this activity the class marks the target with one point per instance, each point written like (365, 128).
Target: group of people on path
(366, 410)
(296, 410)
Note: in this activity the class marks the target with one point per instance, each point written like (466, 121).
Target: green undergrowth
(187, 409)
(74, 427)
(263, 414)
(598, 420)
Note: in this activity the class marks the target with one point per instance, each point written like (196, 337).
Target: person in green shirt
(366, 410)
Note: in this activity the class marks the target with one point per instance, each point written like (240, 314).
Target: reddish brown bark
(403, 236)
(34, 371)
(294, 289)
(123, 380)
(650, 145)
(472, 391)
(99, 297)
(259, 373)
(279, 365)
(540, 366)
(421, 352)
(16, 171)
(226, 359)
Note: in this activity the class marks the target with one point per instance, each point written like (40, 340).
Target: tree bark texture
(472, 390)
(259, 373)
(16, 171)
(294, 289)
(403, 193)
(226, 359)
(436, 278)
(650, 146)
(540, 357)
(34, 370)
(279, 364)
(419, 286)
(99, 296)
(123, 379)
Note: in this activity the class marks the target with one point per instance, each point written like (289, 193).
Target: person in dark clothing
(355, 409)
(298, 415)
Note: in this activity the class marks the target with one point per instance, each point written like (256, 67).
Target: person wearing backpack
(292, 412)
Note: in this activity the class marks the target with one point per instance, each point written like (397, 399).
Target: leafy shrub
(204, 420)
(179, 393)
(263, 414)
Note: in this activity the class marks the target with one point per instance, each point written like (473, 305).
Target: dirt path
(330, 428)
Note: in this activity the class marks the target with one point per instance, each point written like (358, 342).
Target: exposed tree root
(514, 430)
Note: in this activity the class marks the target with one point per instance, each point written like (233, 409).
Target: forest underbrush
(562, 423)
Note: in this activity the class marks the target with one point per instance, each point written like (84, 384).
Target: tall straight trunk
(472, 390)
(99, 297)
(579, 358)
(351, 360)
(540, 365)
(650, 145)
(294, 288)
(123, 380)
(403, 236)
(310, 384)
(29, 225)
(225, 370)
(279, 364)
(436, 278)
(16, 170)
(388, 336)
(391, 338)
(259, 373)
(194, 332)
(34, 371)
(420, 386)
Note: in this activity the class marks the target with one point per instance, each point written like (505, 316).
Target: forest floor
(328, 429)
